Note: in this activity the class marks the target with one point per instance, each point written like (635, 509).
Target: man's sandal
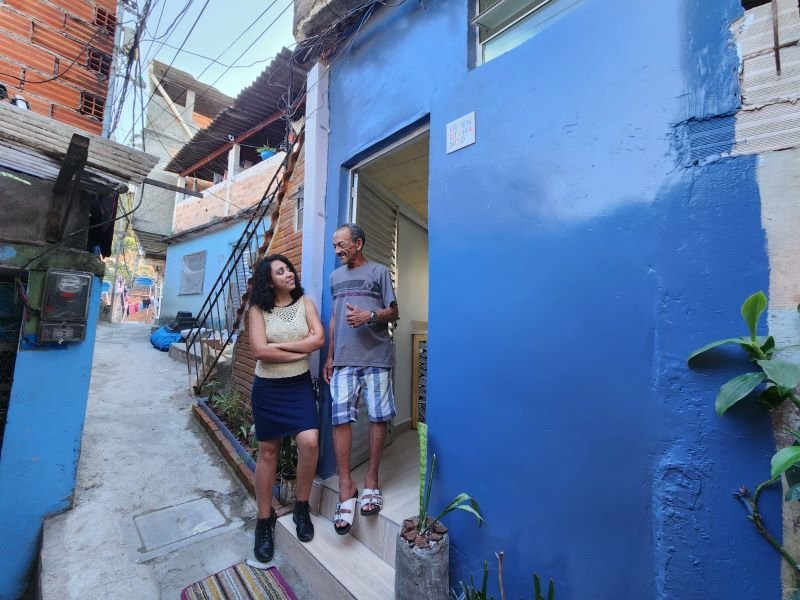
(345, 511)
(373, 498)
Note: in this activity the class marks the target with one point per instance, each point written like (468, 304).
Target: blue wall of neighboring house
(576, 257)
(219, 245)
(41, 447)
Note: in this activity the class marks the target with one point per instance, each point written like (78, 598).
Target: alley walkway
(156, 507)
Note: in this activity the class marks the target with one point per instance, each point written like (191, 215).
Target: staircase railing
(218, 320)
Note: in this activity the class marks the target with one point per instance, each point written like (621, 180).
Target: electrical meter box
(65, 306)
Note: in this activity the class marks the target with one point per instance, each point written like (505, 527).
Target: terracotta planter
(422, 572)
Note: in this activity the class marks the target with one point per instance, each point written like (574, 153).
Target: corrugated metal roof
(266, 96)
(152, 243)
(209, 100)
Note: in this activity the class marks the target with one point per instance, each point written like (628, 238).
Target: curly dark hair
(262, 295)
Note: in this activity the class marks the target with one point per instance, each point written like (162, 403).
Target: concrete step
(377, 532)
(177, 351)
(335, 566)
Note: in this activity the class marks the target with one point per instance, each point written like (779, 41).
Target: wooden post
(66, 186)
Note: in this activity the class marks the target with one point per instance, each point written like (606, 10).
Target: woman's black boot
(302, 518)
(264, 547)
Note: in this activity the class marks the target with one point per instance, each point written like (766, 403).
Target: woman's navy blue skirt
(284, 406)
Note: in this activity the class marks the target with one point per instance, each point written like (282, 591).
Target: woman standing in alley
(284, 329)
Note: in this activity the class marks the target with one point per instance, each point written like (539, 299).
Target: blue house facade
(577, 252)
(217, 244)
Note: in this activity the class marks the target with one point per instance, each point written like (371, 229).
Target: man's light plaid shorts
(347, 383)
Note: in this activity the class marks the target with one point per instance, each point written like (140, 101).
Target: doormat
(241, 582)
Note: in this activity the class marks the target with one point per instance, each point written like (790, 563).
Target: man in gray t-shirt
(360, 359)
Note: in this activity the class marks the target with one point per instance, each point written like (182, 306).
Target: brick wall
(289, 243)
(45, 54)
(247, 189)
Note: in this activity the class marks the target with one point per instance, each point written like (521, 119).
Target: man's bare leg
(377, 440)
(342, 445)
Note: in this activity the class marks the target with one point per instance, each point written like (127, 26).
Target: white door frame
(352, 208)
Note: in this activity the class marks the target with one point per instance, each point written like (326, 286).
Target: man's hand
(327, 370)
(355, 316)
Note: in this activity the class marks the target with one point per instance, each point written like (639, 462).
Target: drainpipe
(316, 179)
(233, 168)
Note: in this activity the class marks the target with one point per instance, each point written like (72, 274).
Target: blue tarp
(162, 338)
(142, 282)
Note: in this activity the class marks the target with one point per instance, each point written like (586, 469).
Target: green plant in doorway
(462, 501)
(773, 381)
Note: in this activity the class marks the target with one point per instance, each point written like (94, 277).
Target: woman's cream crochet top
(284, 324)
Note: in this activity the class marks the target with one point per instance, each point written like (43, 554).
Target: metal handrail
(230, 272)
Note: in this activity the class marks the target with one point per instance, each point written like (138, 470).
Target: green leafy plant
(462, 501)
(777, 380)
(470, 592)
(233, 408)
(537, 589)
(261, 149)
(287, 459)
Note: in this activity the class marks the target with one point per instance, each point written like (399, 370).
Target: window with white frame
(502, 25)
(193, 272)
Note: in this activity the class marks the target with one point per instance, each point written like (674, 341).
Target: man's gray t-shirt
(368, 287)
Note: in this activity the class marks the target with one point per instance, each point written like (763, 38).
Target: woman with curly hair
(284, 330)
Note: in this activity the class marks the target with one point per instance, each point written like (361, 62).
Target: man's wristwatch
(373, 318)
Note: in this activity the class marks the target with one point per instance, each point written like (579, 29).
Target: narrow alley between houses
(399, 300)
(156, 507)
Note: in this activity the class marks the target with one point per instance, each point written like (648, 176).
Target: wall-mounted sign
(461, 132)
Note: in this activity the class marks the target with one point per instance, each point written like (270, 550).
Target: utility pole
(120, 235)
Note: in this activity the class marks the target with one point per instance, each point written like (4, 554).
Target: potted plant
(287, 471)
(422, 560)
(266, 152)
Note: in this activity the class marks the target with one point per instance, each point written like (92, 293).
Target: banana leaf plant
(462, 501)
(777, 380)
(781, 377)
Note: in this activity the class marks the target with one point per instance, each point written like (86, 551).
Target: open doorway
(389, 200)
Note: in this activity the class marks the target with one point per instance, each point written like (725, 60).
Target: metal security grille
(99, 62)
(92, 105)
(421, 388)
(10, 320)
(105, 19)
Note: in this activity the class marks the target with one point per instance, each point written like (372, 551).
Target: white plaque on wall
(461, 132)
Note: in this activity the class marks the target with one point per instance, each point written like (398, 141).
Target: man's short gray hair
(356, 233)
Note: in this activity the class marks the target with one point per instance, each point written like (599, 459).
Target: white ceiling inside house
(404, 173)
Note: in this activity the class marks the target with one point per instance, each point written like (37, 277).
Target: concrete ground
(156, 507)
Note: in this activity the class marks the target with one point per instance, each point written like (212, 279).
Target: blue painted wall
(576, 257)
(218, 244)
(41, 447)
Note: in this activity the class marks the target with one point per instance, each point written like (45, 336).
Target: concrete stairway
(361, 564)
(335, 566)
